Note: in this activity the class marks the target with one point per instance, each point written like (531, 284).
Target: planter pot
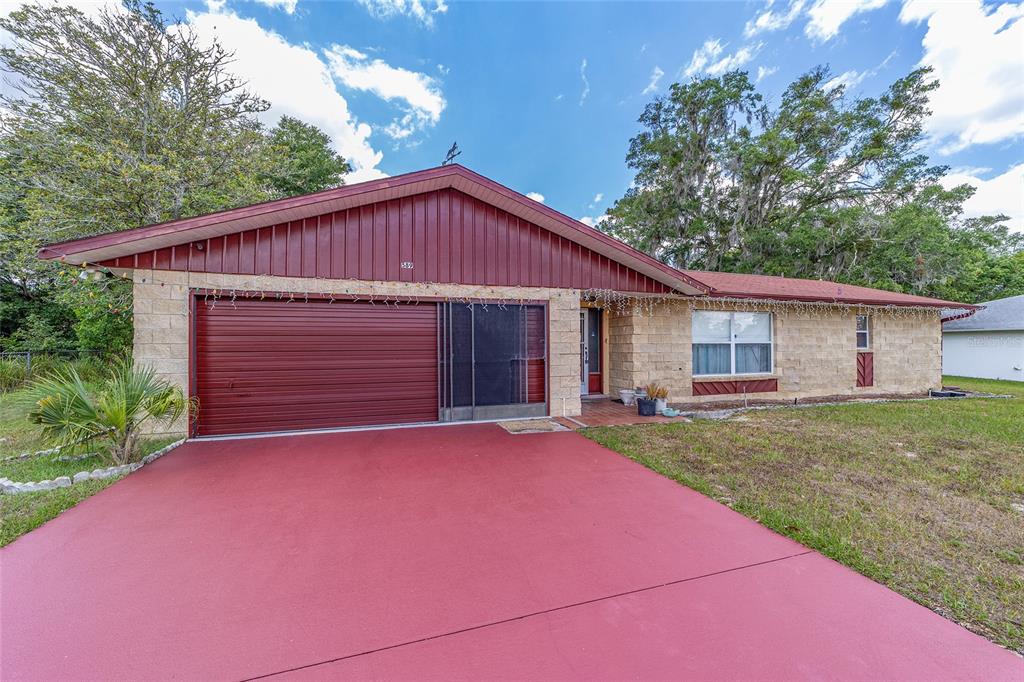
(627, 397)
(645, 407)
(660, 404)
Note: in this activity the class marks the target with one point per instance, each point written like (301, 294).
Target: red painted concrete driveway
(448, 552)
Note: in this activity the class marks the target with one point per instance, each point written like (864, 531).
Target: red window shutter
(865, 369)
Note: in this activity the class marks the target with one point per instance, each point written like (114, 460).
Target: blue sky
(544, 97)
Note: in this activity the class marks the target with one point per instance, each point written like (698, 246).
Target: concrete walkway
(444, 553)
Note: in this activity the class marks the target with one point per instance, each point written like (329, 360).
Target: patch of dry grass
(919, 496)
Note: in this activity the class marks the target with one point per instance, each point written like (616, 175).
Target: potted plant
(645, 401)
(659, 394)
(661, 399)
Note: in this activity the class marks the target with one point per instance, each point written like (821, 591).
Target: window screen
(863, 331)
(731, 343)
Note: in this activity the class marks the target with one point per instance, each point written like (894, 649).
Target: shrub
(43, 364)
(92, 368)
(70, 413)
(99, 328)
(13, 374)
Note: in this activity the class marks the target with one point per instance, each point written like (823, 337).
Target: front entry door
(590, 351)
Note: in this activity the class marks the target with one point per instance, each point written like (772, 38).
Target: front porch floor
(602, 410)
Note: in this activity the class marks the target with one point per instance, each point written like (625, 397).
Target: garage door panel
(277, 411)
(341, 355)
(274, 411)
(238, 398)
(367, 370)
(269, 414)
(315, 381)
(272, 365)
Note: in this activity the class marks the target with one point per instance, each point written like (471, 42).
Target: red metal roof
(736, 285)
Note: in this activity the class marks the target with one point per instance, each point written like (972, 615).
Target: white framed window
(732, 343)
(863, 332)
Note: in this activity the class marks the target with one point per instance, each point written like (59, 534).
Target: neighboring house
(441, 295)
(988, 344)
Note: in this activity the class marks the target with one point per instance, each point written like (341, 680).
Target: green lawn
(916, 495)
(24, 512)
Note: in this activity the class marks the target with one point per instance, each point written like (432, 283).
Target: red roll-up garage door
(277, 366)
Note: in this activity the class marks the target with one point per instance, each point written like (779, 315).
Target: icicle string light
(616, 302)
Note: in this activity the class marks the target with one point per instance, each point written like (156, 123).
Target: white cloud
(593, 221)
(536, 196)
(287, 5)
(295, 80)
(852, 78)
(847, 79)
(736, 60)
(765, 71)
(586, 83)
(770, 20)
(825, 17)
(559, 96)
(976, 171)
(417, 9)
(709, 58)
(416, 93)
(656, 75)
(598, 197)
(1001, 194)
(977, 56)
(702, 56)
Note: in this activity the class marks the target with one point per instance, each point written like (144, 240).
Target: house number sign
(407, 265)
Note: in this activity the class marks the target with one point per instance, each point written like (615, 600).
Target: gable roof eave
(183, 231)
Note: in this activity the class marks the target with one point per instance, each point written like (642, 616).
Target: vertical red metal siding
(865, 369)
(536, 352)
(448, 237)
(730, 387)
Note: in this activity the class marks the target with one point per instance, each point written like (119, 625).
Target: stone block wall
(162, 320)
(908, 352)
(815, 351)
(651, 346)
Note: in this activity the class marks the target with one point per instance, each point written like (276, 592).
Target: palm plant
(71, 413)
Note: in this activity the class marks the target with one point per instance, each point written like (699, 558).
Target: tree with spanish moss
(821, 185)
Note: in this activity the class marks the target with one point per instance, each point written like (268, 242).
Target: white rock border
(9, 487)
(29, 455)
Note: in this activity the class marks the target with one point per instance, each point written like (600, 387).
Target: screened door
(493, 361)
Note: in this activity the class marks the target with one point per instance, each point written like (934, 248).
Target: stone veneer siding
(162, 320)
(815, 351)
